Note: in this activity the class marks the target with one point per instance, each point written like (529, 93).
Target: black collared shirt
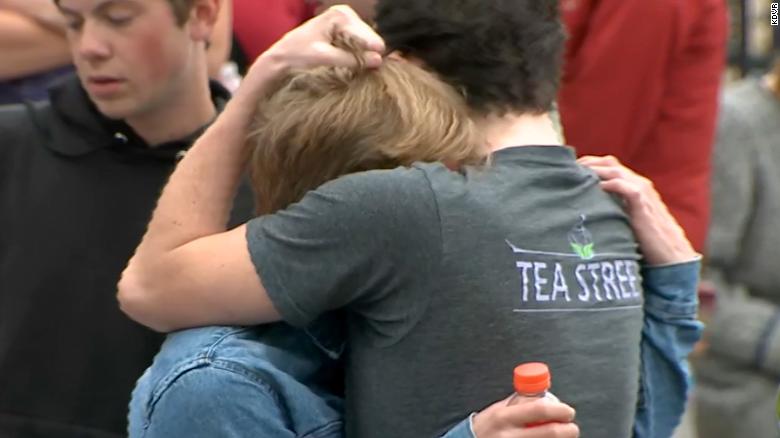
(76, 193)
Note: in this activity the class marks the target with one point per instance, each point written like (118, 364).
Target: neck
(511, 130)
(178, 119)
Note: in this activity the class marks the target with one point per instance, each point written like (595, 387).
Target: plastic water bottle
(532, 382)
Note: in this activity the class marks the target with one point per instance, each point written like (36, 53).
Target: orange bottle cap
(532, 378)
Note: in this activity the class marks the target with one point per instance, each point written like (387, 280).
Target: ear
(203, 17)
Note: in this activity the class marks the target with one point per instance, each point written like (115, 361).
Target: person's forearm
(27, 47)
(197, 200)
(49, 17)
(44, 12)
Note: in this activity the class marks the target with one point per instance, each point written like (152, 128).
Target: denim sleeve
(462, 430)
(669, 334)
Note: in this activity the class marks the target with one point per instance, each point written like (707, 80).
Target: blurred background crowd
(686, 93)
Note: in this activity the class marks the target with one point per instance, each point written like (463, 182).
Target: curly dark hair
(504, 55)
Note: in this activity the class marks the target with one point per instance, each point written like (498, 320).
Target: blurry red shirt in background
(641, 83)
(257, 24)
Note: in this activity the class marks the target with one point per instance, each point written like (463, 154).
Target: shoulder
(381, 179)
(19, 126)
(396, 201)
(379, 189)
(15, 117)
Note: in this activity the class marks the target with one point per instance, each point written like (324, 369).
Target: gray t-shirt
(451, 279)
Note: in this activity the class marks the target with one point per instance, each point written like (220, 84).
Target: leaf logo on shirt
(581, 240)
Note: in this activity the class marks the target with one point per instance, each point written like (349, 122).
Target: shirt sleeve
(733, 185)
(464, 429)
(358, 242)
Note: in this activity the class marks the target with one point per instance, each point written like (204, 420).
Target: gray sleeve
(743, 328)
(732, 187)
(356, 242)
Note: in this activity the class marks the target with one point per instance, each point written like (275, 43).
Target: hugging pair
(419, 221)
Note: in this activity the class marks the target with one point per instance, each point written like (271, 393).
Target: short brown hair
(328, 122)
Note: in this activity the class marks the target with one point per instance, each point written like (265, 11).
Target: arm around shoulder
(210, 281)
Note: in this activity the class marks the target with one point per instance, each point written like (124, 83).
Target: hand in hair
(323, 123)
(312, 45)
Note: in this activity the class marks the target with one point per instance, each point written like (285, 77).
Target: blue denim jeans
(276, 381)
(228, 382)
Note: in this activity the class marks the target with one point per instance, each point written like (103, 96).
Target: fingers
(343, 21)
(348, 21)
(628, 190)
(336, 38)
(553, 430)
(610, 169)
(328, 54)
(660, 236)
(606, 160)
(610, 172)
(540, 411)
(311, 45)
(512, 421)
